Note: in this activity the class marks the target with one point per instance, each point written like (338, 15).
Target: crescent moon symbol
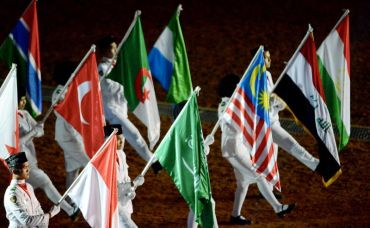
(252, 81)
(82, 90)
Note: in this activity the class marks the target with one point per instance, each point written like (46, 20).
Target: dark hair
(63, 71)
(104, 43)
(227, 85)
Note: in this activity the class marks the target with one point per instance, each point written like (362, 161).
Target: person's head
(18, 166)
(267, 58)
(108, 129)
(22, 101)
(107, 46)
(227, 85)
(63, 71)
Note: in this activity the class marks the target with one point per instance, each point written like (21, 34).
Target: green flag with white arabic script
(181, 153)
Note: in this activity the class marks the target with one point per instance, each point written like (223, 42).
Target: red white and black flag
(301, 88)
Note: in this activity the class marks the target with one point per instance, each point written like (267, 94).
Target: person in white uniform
(20, 203)
(28, 129)
(126, 188)
(75, 158)
(234, 151)
(279, 135)
(114, 101)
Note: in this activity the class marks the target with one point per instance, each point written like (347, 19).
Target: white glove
(208, 141)
(131, 194)
(54, 210)
(38, 131)
(139, 180)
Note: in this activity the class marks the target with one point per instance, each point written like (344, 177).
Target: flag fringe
(332, 179)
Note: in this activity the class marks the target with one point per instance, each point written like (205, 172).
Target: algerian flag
(169, 62)
(181, 153)
(132, 71)
(334, 64)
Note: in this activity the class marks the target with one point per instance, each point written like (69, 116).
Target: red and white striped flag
(248, 113)
(95, 190)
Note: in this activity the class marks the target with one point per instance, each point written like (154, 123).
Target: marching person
(126, 192)
(66, 136)
(279, 135)
(21, 205)
(115, 104)
(234, 151)
(28, 129)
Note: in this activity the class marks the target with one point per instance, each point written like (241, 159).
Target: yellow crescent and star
(263, 96)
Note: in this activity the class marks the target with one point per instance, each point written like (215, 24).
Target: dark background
(219, 36)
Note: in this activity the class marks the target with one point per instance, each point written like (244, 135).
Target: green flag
(132, 71)
(181, 153)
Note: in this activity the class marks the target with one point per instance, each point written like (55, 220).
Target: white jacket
(23, 210)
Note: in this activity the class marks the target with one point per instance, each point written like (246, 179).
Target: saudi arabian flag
(181, 153)
(132, 71)
(169, 62)
(334, 64)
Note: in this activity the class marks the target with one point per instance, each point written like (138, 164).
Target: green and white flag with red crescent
(334, 64)
(132, 71)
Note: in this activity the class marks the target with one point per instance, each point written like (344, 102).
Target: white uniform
(234, 151)
(125, 208)
(115, 110)
(280, 136)
(38, 178)
(22, 208)
(71, 143)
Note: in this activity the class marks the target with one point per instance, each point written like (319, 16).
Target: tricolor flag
(22, 47)
(169, 62)
(248, 113)
(334, 64)
(82, 105)
(301, 89)
(8, 115)
(181, 153)
(95, 189)
(132, 71)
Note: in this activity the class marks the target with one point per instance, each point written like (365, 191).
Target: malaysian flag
(247, 112)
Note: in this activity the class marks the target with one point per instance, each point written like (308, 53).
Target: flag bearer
(115, 104)
(21, 205)
(234, 151)
(28, 129)
(66, 136)
(126, 192)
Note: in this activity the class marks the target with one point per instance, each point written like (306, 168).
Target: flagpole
(137, 14)
(346, 12)
(92, 49)
(79, 176)
(309, 31)
(235, 91)
(149, 163)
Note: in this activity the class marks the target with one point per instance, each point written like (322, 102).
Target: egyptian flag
(300, 87)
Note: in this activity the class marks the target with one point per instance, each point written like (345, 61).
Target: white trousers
(284, 140)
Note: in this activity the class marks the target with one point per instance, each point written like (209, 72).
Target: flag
(82, 106)
(169, 62)
(132, 71)
(181, 153)
(334, 64)
(248, 113)
(22, 47)
(95, 190)
(301, 89)
(8, 115)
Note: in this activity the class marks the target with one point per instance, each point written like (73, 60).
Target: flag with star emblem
(248, 114)
(181, 153)
(132, 71)
(8, 115)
